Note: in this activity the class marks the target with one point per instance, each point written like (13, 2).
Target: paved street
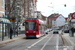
(48, 42)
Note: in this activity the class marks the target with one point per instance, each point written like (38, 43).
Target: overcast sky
(47, 7)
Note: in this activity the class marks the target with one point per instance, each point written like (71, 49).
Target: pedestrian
(11, 32)
(19, 30)
(72, 30)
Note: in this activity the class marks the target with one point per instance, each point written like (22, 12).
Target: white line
(26, 49)
(37, 42)
(65, 49)
(57, 43)
(46, 42)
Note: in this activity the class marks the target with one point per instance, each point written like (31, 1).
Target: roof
(35, 0)
(31, 18)
(54, 16)
(4, 20)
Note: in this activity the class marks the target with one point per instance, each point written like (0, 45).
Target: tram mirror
(37, 27)
(39, 24)
(24, 24)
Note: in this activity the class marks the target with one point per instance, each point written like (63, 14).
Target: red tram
(34, 27)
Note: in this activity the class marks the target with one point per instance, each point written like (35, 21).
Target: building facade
(59, 22)
(38, 14)
(4, 30)
(55, 21)
(2, 8)
(30, 8)
(2, 13)
(51, 18)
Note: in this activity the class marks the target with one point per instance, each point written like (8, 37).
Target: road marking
(37, 42)
(26, 49)
(57, 43)
(46, 42)
(65, 49)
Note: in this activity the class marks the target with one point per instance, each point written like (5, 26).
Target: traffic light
(12, 19)
(64, 5)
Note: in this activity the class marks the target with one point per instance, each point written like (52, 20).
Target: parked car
(46, 31)
(66, 31)
(50, 29)
(55, 32)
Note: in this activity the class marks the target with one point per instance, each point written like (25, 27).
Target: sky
(47, 7)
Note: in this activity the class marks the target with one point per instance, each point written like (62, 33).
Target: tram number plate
(31, 36)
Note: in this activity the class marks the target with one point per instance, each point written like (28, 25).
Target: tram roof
(31, 18)
(40, 21)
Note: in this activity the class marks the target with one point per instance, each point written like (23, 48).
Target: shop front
(4, 29)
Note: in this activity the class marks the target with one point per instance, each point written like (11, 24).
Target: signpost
(13, 19)
(73, 15)
(72, 23)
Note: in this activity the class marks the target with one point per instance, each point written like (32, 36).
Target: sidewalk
(21, 36)
(69, 39)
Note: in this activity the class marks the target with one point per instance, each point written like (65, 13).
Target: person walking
(72, 30)
(11, 32)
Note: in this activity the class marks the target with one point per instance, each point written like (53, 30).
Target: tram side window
(40, 27)
(27, 25)
(34, 26)
(37, 27)
(43, 28)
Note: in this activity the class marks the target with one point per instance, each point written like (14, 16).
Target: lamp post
(33, 8)
(17, 18)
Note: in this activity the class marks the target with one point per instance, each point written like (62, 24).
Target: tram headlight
(26, 31)
(34, 31)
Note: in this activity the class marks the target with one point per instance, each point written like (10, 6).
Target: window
(40, 27)
(3, 3)
(37, 27)
(3, 15)
(30, 25)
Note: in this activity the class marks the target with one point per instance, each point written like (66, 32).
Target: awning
(4, 20)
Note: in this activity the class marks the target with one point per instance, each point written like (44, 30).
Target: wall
(1, 9)
(60, 21)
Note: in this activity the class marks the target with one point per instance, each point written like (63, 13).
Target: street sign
(73, 15)
(13, 19)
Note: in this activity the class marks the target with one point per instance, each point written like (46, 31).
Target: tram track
(46, 42)
(26, 43)
(39, 42)
(22, 44)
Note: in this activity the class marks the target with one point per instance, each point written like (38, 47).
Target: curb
(62, 39)
(67, 41)
(10, 40)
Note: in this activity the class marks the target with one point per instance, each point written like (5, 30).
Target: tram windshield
(30, 25)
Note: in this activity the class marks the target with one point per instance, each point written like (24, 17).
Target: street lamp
(17, 18)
